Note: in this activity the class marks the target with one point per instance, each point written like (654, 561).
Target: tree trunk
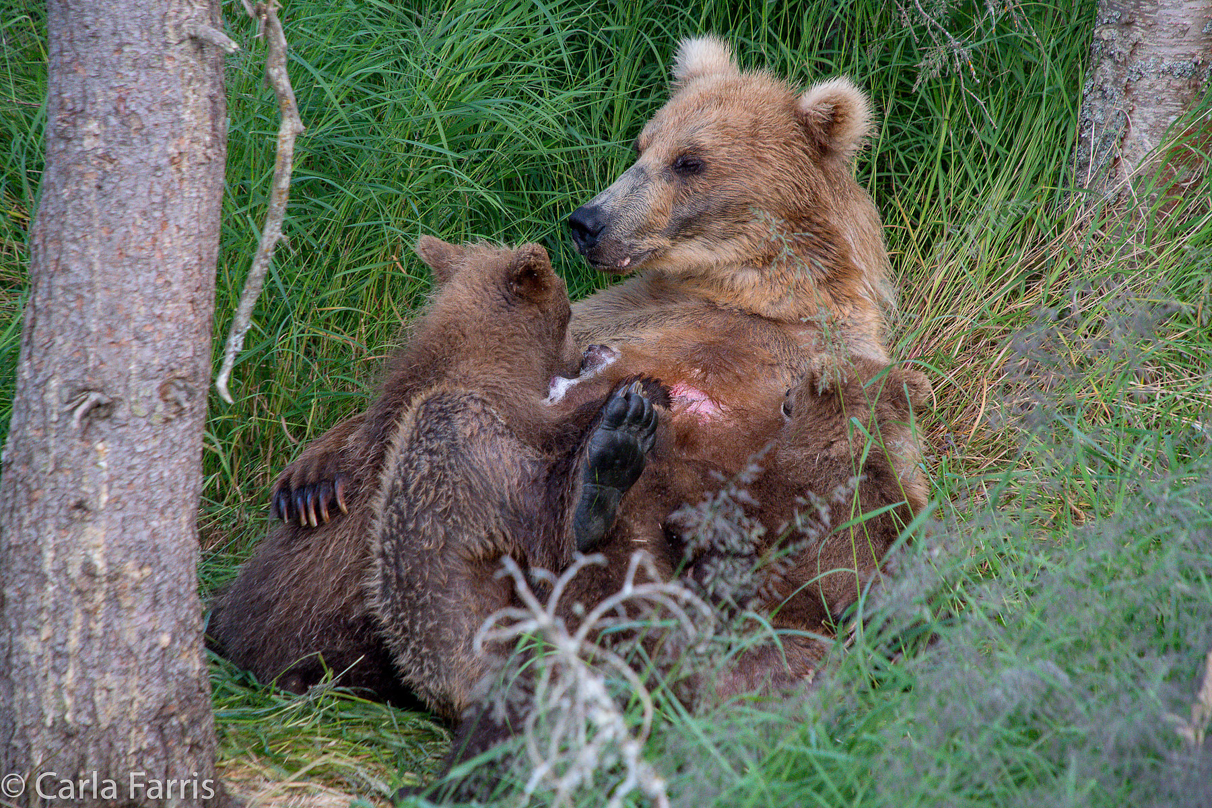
(104, 696)
(1149, 64)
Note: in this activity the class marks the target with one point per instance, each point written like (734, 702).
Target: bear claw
(309, 505)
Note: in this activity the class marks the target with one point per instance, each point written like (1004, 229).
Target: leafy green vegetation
(1043, 640)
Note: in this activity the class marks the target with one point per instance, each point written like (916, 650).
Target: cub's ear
(530, 274)
(837, 116)
(916, 385)
(441, 257)
(905, 388)
(704, 56)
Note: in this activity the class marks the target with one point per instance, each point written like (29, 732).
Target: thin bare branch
(585, 728)
(266, 15)
(213, 36)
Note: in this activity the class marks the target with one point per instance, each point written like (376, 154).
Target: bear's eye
(687, 165)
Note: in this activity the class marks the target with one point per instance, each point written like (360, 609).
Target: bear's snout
(587, 223)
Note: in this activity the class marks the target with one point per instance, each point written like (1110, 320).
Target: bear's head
(500, 311)
(737, 174)
(839, 395)
(857, 412)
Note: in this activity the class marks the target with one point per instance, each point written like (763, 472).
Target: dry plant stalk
(270, 26)
(1196, 729)
(589, 732)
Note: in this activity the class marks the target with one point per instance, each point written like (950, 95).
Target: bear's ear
(837, 116)
(826, 372)
(441, 257)
(703, 56)
(905, 389)
(530, 274)
(916, 386)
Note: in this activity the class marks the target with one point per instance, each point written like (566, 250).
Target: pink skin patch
(694, 402)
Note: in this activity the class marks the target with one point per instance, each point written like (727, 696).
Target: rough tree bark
(1149, 64)
(100, 623)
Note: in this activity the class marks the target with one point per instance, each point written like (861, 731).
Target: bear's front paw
(617, 446)
(615, 456)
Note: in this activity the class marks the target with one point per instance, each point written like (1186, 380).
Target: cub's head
(856, 415)
(843, 402)
(731, 167)
(500, 309)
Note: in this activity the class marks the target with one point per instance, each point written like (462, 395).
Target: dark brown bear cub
(469, 464)
(845, 426)
(481, 463)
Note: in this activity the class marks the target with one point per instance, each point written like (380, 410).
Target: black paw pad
(615, 455)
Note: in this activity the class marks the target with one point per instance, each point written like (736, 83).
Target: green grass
(1045, 634)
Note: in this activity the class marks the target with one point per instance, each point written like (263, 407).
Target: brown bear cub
(475, 465)
(481, 467)
(816, 547)
(819, 499)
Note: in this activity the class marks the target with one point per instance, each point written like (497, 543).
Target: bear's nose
(586, 223)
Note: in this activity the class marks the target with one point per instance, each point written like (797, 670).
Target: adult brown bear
(758, 260)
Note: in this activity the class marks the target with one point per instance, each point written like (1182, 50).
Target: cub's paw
(616, 447)
(615, 456)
